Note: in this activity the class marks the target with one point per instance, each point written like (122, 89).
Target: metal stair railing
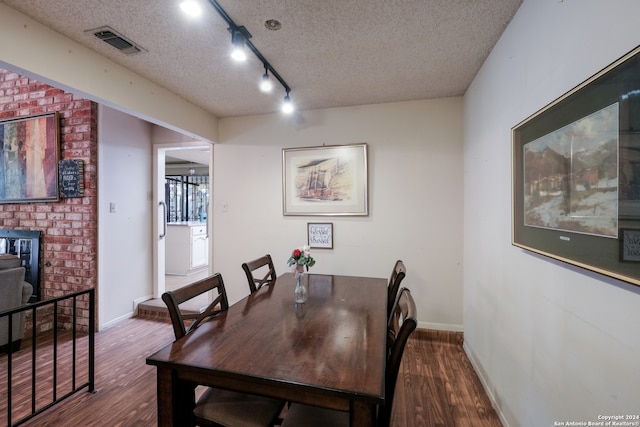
(62, 358)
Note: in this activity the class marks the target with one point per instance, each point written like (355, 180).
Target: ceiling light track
(235, 29)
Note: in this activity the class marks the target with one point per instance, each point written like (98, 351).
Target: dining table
(329, 351)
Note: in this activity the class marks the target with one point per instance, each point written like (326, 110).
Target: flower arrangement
(301, 258)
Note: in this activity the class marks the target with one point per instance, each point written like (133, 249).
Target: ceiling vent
(110, 36)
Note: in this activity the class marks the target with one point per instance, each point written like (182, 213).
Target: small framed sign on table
(320, 235)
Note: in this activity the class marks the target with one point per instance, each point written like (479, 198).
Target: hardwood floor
(436, 386)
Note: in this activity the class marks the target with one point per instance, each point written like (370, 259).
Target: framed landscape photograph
(327, 180)
(576, 174)
(29, 154)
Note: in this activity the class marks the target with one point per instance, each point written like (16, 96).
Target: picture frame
(325, 180)
(630, 245)
(576, 174)
(29, 156)
(71, 178)
(320, 235)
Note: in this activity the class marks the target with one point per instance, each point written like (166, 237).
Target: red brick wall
(68, 246)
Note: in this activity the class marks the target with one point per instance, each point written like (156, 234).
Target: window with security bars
(187, 197)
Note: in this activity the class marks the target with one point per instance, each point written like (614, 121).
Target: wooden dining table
(328, 352)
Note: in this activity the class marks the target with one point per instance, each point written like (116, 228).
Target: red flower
(296, 253)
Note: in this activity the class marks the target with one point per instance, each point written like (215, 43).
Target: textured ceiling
(331, 53)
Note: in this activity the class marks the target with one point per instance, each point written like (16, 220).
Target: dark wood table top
(328, 351)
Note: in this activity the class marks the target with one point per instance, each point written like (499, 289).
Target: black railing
(56, 358)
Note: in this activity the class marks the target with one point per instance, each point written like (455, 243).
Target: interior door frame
(159, 213)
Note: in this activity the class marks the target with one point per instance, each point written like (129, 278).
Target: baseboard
(116, 320)
(137, 302)
(441, 326)
(485, 383)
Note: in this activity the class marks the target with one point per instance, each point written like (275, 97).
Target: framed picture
(576, 174)
(29, 154)
(320, 235)
(327, 180)
(630, 245)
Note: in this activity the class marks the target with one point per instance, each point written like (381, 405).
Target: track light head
(287, 105)
(238, 38)
(191, 8)
(265, 84)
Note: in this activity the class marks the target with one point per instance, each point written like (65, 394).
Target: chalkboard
(71, 173)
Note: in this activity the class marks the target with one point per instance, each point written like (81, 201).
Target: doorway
(182, 197)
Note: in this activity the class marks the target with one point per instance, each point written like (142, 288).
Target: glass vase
(300, 292)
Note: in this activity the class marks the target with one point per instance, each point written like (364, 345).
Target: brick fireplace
(68, 228)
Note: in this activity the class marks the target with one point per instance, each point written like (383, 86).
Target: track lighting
(265, 84)
(287, 105)
(240, 39)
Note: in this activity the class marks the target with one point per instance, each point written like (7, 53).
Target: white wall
(124, 245)
(553, 343)
(415, 198)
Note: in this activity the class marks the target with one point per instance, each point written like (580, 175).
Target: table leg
(165, 397)
(362, 415)
(176, 400)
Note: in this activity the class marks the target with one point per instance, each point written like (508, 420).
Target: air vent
(110, 36)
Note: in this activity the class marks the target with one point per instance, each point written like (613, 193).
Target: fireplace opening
(25, 244)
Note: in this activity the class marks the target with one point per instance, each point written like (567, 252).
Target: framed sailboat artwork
(325, 180)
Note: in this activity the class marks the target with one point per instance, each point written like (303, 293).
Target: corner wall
(553, 343)
(125, 214)
(415, 199)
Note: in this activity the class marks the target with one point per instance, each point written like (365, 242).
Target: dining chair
(397, 275)
(179, 318)
(402, 323)
(263, 264)
(218, 407)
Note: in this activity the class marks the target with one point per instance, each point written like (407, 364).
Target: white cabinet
(186, 248)
(199, 247)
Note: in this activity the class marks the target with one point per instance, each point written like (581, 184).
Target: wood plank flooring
(436, 386)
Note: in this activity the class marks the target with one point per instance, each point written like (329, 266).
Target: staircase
(156, 308)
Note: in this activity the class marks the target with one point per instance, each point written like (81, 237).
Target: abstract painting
(29, 154)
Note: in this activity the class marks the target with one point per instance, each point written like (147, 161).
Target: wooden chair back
(402, 322)
(261, 265)
(397, 275)
(173, 299)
